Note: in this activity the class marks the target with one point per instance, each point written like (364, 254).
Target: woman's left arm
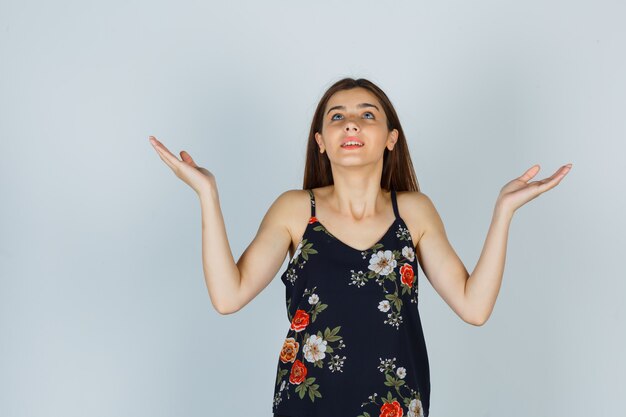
(483, 285)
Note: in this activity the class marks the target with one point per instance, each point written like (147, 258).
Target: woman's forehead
(353, 98)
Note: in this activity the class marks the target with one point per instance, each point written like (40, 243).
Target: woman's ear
(320, 143)
(392, 139)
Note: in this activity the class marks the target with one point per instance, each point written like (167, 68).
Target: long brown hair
(398, 172)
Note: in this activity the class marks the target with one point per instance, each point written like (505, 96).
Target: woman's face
(355, 113)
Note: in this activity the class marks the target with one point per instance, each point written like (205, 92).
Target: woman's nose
(350, 125)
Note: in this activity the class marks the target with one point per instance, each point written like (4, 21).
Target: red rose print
(406, 271)
(313, 219)
(298, 372)
(391, 410)
(300, 320)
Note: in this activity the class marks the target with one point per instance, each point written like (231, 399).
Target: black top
(354, 346)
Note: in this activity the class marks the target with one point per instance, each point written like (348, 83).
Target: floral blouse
(354, 346)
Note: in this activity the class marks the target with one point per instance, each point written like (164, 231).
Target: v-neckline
(395, 220)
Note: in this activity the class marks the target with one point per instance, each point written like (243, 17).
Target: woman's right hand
(198, 178)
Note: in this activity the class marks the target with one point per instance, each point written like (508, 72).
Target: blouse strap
(395, 203)
(312, 202)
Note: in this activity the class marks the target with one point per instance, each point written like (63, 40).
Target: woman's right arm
(233, 285)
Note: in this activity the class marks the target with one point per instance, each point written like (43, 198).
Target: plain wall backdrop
(103, 306)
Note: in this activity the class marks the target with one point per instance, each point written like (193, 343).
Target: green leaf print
(390, 398)
(313, 392)
(393, 381)
(281, 373)
(376, 247)
(391, 297)
(320, 228)
(308, 386)
(317, 309)
(331, 335)
(307, 249)
(396, 300)
(406, 289)
(301, 390)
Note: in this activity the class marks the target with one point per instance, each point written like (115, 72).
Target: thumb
(188, 159)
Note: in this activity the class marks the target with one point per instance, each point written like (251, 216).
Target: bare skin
(358, 212)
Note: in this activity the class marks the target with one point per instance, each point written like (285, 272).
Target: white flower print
(387, 364)
(314, 349)
(401, 372)
(313, 299)
(358, 278)
(383, 263)
(408, 253)
(297, 251)
(384, 306)
(336, 363)
(277, 399)
(395, 319)
(415, 408)
(291, 275)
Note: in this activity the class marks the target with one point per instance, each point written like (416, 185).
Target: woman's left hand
(519, 191)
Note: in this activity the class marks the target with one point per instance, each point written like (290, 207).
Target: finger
(169, 158)
(554, 179)
(159, 146)
(164, 159)
(559, 174)
(188, 159)
(530, 173)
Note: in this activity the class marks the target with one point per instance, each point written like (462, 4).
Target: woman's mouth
(352, 145)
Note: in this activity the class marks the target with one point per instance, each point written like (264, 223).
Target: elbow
(225, 305)
(475, 320)
(222, 311)
(225, 309)
(478, 323)
(475, 315)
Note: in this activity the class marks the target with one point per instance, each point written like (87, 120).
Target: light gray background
(103, 306)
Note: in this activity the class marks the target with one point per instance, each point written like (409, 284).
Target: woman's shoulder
(414, 210)
(412, 197)
(294, 205)
(299, 196)
(292, 208)
(293, 197)
(413, 201)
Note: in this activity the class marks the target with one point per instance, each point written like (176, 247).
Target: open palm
(519, 191)
(185, 168)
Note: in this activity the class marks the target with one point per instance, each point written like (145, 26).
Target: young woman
(356, 234)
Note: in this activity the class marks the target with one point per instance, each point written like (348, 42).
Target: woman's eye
(339, 114)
